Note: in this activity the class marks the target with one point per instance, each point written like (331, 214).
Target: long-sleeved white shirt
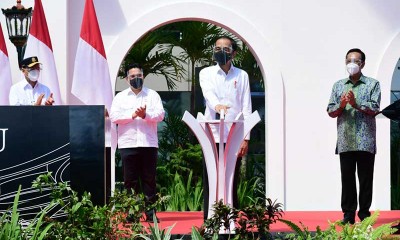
(137, 132)
(232, 89)
(22, 93)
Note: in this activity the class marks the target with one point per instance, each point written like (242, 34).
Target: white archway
(257, 42)
(385, 76)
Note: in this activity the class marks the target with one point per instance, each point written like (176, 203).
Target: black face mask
(222, 57)
(136, 83)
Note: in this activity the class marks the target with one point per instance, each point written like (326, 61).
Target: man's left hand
(351, 98)
(49, 100)
(244, 147)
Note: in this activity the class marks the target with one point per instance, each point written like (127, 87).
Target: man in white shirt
(227, 88)
(29, 91)
(137, 110)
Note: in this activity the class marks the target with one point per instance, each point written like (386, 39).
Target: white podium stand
(220, 170)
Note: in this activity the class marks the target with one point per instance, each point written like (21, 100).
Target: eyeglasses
(222, 48)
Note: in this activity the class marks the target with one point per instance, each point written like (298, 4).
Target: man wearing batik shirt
(355, 102)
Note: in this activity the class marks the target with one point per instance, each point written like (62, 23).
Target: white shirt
(22, 93)
(137, 132)
(232, 89)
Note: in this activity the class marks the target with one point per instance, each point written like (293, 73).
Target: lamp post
(18, 21)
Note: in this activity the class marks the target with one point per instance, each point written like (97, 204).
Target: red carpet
(185, 220)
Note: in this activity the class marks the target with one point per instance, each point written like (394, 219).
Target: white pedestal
(220, 167)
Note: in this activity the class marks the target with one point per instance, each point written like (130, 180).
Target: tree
(155, 58)
(245, 60)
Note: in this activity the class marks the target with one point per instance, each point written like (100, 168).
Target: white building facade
(300, 47)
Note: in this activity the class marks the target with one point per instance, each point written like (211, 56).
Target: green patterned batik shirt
(356, 127)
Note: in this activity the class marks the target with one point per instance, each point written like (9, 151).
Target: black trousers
(139, 171)
(364, 163)
(234, 190)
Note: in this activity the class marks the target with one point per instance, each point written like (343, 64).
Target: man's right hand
(219, 107)
(39, 100)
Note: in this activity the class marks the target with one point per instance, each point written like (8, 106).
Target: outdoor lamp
(18, 21)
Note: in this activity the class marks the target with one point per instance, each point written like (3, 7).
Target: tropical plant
(174, 134)
(84, 220)
(222, 219)
(337, 230)
(248, 190)
(11, 229)
(183, 196)
(156, 233)
(198, 234)
(252, 222)
(258, 216)
(185, 160)
(181, 178)
(155, 57)
(245, 60)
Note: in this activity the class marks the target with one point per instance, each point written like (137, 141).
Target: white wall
(300, 46)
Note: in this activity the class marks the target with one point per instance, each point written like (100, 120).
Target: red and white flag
(39, 44)
(5, 71)
(91, 81)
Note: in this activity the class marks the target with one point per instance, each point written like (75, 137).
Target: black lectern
(65, 140)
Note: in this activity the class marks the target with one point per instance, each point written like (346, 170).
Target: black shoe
(347, 220)
(363, 216)
(398, 229)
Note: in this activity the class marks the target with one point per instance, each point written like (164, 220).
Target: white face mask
(33, 75)
(352, 68)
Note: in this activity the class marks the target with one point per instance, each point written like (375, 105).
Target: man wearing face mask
(354, 102)
(29, 91)
(225, 87)
(137, 110)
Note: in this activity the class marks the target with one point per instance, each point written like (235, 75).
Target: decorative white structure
(220, 165)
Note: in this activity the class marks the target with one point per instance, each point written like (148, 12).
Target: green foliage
(183, 197)
(185, 160)
(155, 58)
(361, 230)
(174, 134)
(248, 190)
(259, 215)
(222, 218)
(11, 229)
(196, 234)
(251, 222)
(156, 233)
(84, 220)
(245, 60)
(181, 180)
